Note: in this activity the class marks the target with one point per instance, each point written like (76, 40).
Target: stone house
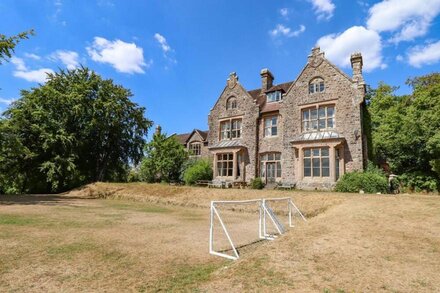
(196, 143)
(307, 131)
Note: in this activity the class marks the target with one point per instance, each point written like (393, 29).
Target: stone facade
(307, 132)
(196, 143)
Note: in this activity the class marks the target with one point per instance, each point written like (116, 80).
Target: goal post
(235, 224)
(281, 211)
(235, 232)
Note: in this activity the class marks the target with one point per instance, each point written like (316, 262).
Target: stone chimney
(356, 64)
(158, 130)
(266, 80)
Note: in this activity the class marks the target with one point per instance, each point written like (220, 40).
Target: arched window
(316, 85)
(231, 103)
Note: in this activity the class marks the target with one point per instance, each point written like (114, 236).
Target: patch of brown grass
(153, 237)
(310, 203)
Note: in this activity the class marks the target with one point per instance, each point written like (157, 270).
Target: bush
(200, 170)
(133, 176)
(368, 181)
(418, 182)
(257, 183)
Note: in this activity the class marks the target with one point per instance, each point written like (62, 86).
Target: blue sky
(175, 56)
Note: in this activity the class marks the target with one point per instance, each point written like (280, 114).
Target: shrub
(257, 183)
(418, 182)
(133, 176)
(368, 181)
(200, 170)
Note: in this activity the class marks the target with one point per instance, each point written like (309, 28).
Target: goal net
(235, 225)
(279, 214)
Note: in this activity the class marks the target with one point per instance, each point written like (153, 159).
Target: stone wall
(248, 110)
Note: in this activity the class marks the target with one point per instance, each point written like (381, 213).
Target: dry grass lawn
(149, 238)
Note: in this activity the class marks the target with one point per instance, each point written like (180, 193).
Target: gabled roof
(261, 98)
(280, 87)
(183, 138)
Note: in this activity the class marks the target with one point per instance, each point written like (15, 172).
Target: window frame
(229, 130)
(271, 157)
(268, 129)
(307, 124)
(317, 85)
(313, 157)
(279, 96)
(195, 149)
(225, 162)
(231, 103)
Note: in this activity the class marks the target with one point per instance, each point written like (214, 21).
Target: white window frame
(230, 129)
(269, 127)
(309, 123)
(275, 96)
(316, 85)
(273, 157)
(231, 103)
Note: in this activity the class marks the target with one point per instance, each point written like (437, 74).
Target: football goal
(237, 224)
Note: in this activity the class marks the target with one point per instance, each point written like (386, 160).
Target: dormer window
(274, 96)
(316, 85)
(231, 103)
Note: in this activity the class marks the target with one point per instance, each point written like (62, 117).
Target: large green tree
(406, 129)
(7, 44)
(75, 129)
(164, 158)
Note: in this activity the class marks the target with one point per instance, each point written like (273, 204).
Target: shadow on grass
(40, 199)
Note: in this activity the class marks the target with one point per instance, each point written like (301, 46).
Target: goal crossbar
(265, 212)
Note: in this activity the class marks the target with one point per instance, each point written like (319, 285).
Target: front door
(270, 172)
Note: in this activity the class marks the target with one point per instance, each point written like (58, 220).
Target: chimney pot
(266, 79)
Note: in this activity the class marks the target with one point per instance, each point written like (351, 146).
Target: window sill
(272, 136)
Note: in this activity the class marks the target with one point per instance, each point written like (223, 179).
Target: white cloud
(339, 47)
(68, 58)
(22, 71)
(421, 55)
(284, 12)
(399, 58)
(124, 57)
(282, 31)
(6, 101)
(323, 8)
(32, 56)
(407, 19)
(162, 42)
(19, 63)
(39, 75)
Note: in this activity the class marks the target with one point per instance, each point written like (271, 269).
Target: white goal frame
(264, 213)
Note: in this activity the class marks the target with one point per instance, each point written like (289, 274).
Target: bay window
(316, 162)
(225, 164)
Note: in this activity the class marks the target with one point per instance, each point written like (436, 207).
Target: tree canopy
(75, 129)
(7, 44)
(164, 159)
(406, 129)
